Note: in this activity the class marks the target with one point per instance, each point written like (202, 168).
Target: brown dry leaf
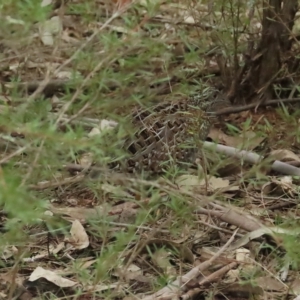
(104, 287)
(8, 252)
(127, 216)
(266, 189)
(270, 284)
(218, 183)
(161, 259)
(248, 290)
(250, 140)
(230, 169)
(132, 272)
(66, 37)
(232, 276)
(147, 2)
(51, 276)
(95, 131)
(108, 125)
(80, 213)
(45, 253)
(85, 262)
(284, 155)
(192, 182)
(249, 237)
(114, 189)
(247, 140)
(7, 280)
(86, 160)
(104, 126)
(48, 29)
(68, 75)
(208, 252)
(270, 231)
(295, 286)
(189, 182)
(72, 201)
(284, 185)
(46, 3)
(243, 256)
(221, 138)
(13, 21)
(80, 239)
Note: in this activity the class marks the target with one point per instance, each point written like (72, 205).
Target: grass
(142, 233)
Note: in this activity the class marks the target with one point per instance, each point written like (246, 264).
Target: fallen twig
(209, 279)
(230, 216)
(253, 158)
(221, 272)
(173, 289)
(52, 184)
(237, 109)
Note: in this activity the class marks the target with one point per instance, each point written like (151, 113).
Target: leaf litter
(193, 236)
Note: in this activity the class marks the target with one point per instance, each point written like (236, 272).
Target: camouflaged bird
(169, 132)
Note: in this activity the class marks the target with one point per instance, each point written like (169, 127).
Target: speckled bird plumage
(170, 131)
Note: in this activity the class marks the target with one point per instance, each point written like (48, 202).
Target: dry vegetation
(71, 229)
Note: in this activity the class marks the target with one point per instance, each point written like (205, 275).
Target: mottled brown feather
(169, 131)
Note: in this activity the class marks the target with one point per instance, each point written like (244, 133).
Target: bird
(169, 132)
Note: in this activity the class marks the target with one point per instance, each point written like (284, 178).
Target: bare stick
(253, 158)
(173, 289)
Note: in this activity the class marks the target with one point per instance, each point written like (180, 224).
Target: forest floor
(230, 233)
